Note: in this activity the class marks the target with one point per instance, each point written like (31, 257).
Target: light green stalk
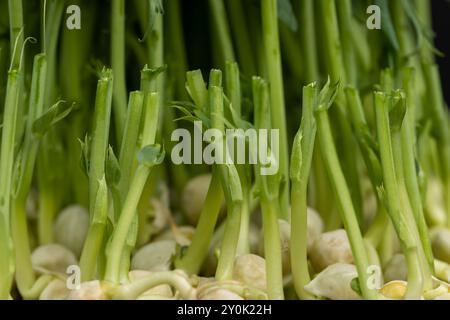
(343, 200)
(231, 184)
(100, 134)
(302, 153)
(13, 92)
(277, 104)
(221, 28)
(197, 251)
(268, 195)
(24, 274)
(118, 65)
(241, 35)
(95, 236)
(128, 213)
(394, 204)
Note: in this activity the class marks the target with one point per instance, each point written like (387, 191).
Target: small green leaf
(151, 155)
(397, 110)
(356, 286)
(286, 14)
(112, 168)
(297, 157)
(85, 155)
(237, 120)
(327, 95)
(53, 115)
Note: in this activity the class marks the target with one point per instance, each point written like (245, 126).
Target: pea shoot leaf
(53, 115)
(112, 168)
(151, 155)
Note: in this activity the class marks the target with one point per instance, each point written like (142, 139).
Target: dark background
(441, 21)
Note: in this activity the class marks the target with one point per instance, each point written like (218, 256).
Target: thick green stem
(24, 275)
(198, 250)
(118, 65)
(177, 46)
(408, 213)
(16, 32)
(120, 233)
(344, 201)
(94, 238)
(229, 243)
(302, 153)
(337, 72)
(221, 28)
(272, 249)
(408, 149)
(391, 187)
(277, 104)
(127, 157)
(241, 35)
(115, 251)
(344, 11)
(230, 181)
(13, 92)
(100, 134)
(308, 40)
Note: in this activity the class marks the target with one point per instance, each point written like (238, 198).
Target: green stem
(376, 233)
(16, 32)
(241, 35)
(13, 92)
(391, 187)
(95, 235)
(291, 52)
(344, 11)
(337, 72)
(50, 45)
(24, 275)
(302, 153)
(177, 46)
(118, 65)
(127, 157)
(120, 233)
(47, 204)
(299, 241)
(278, 114)
(233, 91)
(115, 251)
(268, 195)
(308, 40)
(75, 51)
(408, 149)
(230, 181)
(198, 250)
(344, 202)
(408, 213)
(100, 134)
(229, 243)
(272, 249)
(221, 28)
